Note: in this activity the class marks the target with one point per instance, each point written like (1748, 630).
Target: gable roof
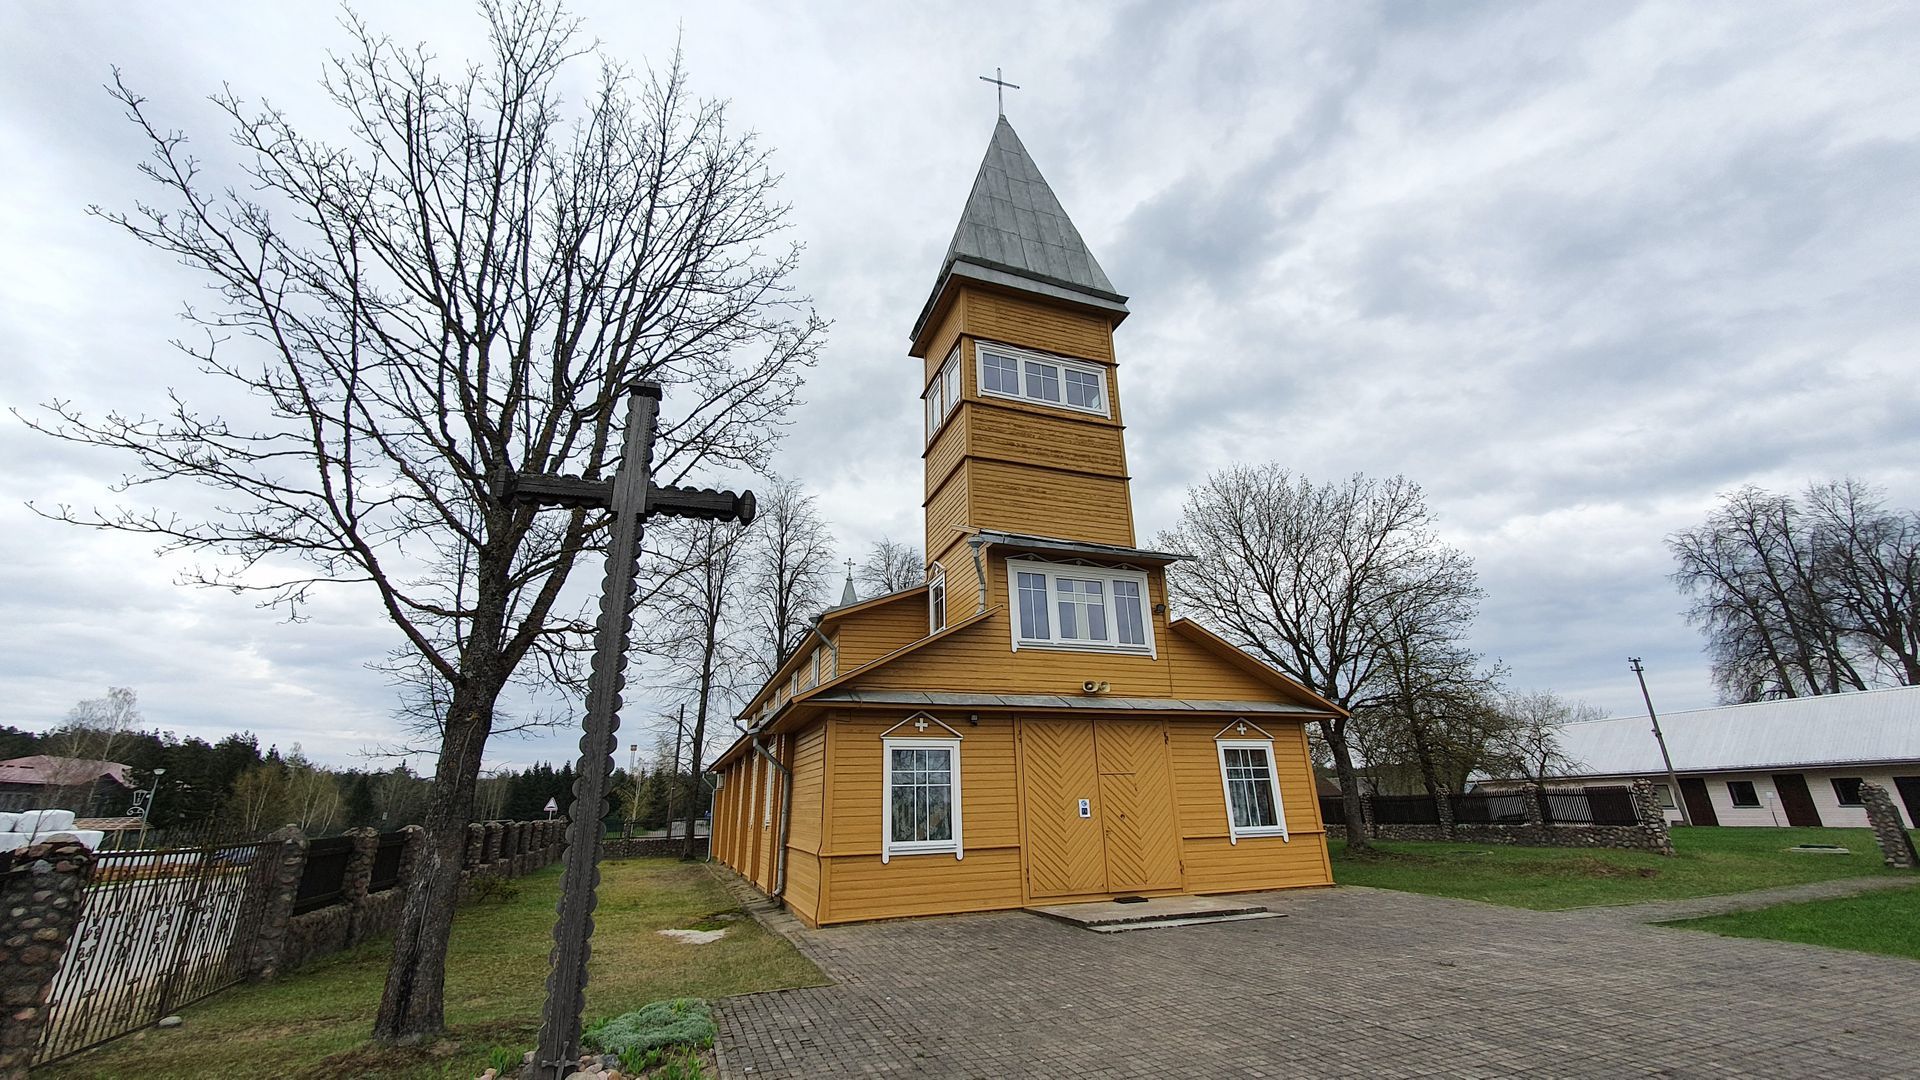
(1238, 657)
(46, 770)
(1015, 233)
(1830, 729)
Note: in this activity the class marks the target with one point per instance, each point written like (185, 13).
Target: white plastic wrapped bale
(10, 841)
(41, 822)
(7, 822)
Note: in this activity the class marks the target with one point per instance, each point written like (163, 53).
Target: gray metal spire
(1013, 222)
(847, 595)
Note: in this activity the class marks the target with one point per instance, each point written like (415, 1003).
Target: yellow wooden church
(1029, 726)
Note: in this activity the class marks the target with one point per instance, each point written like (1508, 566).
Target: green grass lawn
(1878, 922)
(314, 1023)
(1708, 861)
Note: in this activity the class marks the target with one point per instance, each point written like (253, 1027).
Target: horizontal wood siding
(944, 455)
(1197, 673)
(1043, 436)
(809, 783)
(1256, 862)
(1203, 799)
(1026, 499)
(940, 342)
(989, 809)
(946, 515)
(879, 630)
(865, 888)
(803, 885)
(1034, 324)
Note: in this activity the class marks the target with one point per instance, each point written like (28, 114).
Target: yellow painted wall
(1044, 502)
(1035, 324)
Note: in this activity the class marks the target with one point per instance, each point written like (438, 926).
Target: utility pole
(1673, 780)
(673, 786)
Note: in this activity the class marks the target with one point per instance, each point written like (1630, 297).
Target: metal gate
(158, 930)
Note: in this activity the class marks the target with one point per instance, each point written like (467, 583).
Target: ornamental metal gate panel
(158, 930)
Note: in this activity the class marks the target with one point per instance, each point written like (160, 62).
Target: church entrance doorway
(1099, 807)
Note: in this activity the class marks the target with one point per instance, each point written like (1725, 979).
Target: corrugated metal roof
(1077, 547)
(949, 699)
(1832, 729)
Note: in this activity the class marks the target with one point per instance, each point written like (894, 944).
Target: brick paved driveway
(1355, 982)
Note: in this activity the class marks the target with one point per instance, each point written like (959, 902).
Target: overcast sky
(1574, 268)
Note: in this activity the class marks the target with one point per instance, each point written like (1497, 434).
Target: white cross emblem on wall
(920, 724)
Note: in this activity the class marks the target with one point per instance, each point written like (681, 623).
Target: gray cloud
(1575, 268)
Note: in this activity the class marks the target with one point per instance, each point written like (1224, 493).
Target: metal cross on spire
(629, 497)
(1000, 88)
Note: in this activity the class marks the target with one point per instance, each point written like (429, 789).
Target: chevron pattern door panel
(1143, 847)
(1064, 855)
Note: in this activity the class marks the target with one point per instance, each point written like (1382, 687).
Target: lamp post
(1673, 780)
(633, 778)
(143, 802)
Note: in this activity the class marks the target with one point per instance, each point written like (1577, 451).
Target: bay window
(1062, 606)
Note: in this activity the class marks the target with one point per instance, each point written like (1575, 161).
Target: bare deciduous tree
(695, 627)
(467, 289)
(889, 567)
(1316, 579)
(1530, 745)
(95, 730)
(1816, 595)
(790, 567)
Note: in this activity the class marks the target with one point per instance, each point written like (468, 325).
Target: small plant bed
(313, 1024)
(666, 1040)
(1886, 921)
(1707, 862)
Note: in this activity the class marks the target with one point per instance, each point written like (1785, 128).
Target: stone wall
(1896, 843)
(40, 891)
(647, 846)
(1649, 834)
(499, 849)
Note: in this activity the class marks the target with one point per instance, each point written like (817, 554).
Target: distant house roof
(1831, 729)
(45, 770)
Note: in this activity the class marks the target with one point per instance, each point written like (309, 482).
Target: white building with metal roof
(1795, 761)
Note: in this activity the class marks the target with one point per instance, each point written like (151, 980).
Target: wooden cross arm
(704, 503)
(573, 492)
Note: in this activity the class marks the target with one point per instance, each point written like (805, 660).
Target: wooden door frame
(1026, 838)
(1797, 782)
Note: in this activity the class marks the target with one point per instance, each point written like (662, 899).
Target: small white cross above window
(1241, 727)
(920, 724)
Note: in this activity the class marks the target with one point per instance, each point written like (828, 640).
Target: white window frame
(1023, 357)
(889, 847)
(1235, 832)
(1051, 570)
(937, 587)
(942, 395)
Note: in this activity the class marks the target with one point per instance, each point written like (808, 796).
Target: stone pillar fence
(42, 888)
(1883, 817)
(40, 891)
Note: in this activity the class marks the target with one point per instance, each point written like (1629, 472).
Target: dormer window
(1063, 606)
(1041, 379)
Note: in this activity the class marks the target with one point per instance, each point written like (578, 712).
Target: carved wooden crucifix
(630, 498)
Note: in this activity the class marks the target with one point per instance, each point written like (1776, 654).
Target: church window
(937, 599)
(922, 811)
(999, 374)
(1061, 606)
(1129, 613)
(1083, 609)
(943, 394)
(1252, 788)
(1083, 389)
(1043, 382)
(1047, 380)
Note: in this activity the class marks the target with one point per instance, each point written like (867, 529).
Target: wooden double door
(1099, 807)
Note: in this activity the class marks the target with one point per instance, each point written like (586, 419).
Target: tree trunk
(412, 1006)
(699, 736)
(1336, 735)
